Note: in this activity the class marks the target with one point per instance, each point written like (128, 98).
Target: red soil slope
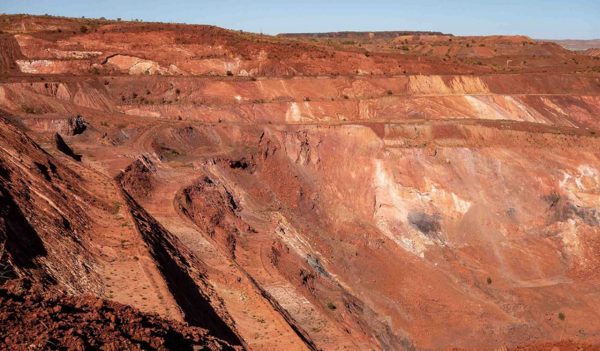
(595, 52)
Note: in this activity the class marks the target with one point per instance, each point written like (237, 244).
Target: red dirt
(334, 193)
(595, 52)
(34, 320)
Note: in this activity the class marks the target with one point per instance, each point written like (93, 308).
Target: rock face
(9, 53)
(286, 194)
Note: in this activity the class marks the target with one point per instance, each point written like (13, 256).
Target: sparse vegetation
(116, 208)
(561, 316)
(31, 110)
(489, 280)
(83, 29)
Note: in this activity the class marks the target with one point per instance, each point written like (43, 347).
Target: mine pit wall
(395, 204)
(59, 97)
(43, 226)
(211, 207)
(223, 90)
(399, 182)
(533, 98)
(10, 52)
(183, 275)
(205, 203)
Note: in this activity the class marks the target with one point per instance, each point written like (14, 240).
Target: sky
(549, 19)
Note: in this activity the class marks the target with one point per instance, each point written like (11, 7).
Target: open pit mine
(187, 187)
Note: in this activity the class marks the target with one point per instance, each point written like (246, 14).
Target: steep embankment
(46, 234)
(10, 52)
(419, 211)
(43, 222)
(179, 269)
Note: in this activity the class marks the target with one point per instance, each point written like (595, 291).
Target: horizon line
(436, 32)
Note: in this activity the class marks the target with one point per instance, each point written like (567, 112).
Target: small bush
(561, 316)
(116, 208)
(489, 280)
(30, 109)
(331, 306)
(83, 29)
(229, 73)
